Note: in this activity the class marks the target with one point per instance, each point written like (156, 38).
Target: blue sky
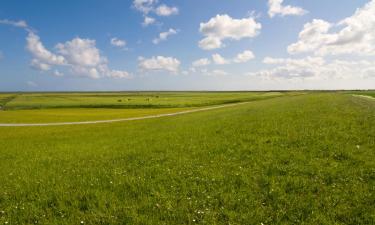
(187, 45)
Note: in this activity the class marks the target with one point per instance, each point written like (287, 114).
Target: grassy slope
(293, 160)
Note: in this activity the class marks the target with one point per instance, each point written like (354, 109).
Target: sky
(120, 45)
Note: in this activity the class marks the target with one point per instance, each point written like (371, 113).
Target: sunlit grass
(290, 160)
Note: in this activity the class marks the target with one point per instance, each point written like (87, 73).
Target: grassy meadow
(130, 99)
(281, 158)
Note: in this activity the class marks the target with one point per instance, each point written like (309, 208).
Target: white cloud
(38, 65)
(144, 6)
(81, 52)
(159, 63)
(57, 73)
(219, 60)
(210, 43)
(201, 62)
(207, 72)
(147, 7)
(80, 55)
(148, 21)
(354, 35)
(118, 74)
(164, 10)
(118, 42)
(40, 53)
(164, 36)
(314, 35)
(315, 68)
(224, 27)
(276, 8)
(20, 23)
(244, 57)
(292, 68)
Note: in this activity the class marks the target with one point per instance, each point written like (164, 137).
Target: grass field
(294, 159)
(76, 107)
(132, 99)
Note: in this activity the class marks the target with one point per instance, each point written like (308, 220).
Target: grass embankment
(291, 160)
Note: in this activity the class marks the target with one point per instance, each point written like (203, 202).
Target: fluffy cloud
(292, 68)
(148, 21)
(276, 8)
(144, 6)
(244, 57)
(315, 68)
(81, 52)
(164, 36)
(165, 10)
(159, 63)
(118, 42)
(224, 27)
(219, 60)
(210, 43)
(38, 65)
(352, 35)
(201, 62)
(240, 58)
(84, 59)
(147, 7)
(79, 55)
(43, 58)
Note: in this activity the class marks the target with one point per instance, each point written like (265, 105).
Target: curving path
(364, 96)
(118, 120)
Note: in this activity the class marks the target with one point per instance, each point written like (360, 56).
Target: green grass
(5, 98)
(305, 159)
(134, 99)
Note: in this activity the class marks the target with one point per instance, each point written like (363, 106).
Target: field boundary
(120, 120)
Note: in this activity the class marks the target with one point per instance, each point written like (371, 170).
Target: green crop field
(280, 158)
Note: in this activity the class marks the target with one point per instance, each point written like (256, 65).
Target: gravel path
(117, 120)
(364, 96)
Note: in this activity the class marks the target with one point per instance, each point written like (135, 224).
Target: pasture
(281, 158)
